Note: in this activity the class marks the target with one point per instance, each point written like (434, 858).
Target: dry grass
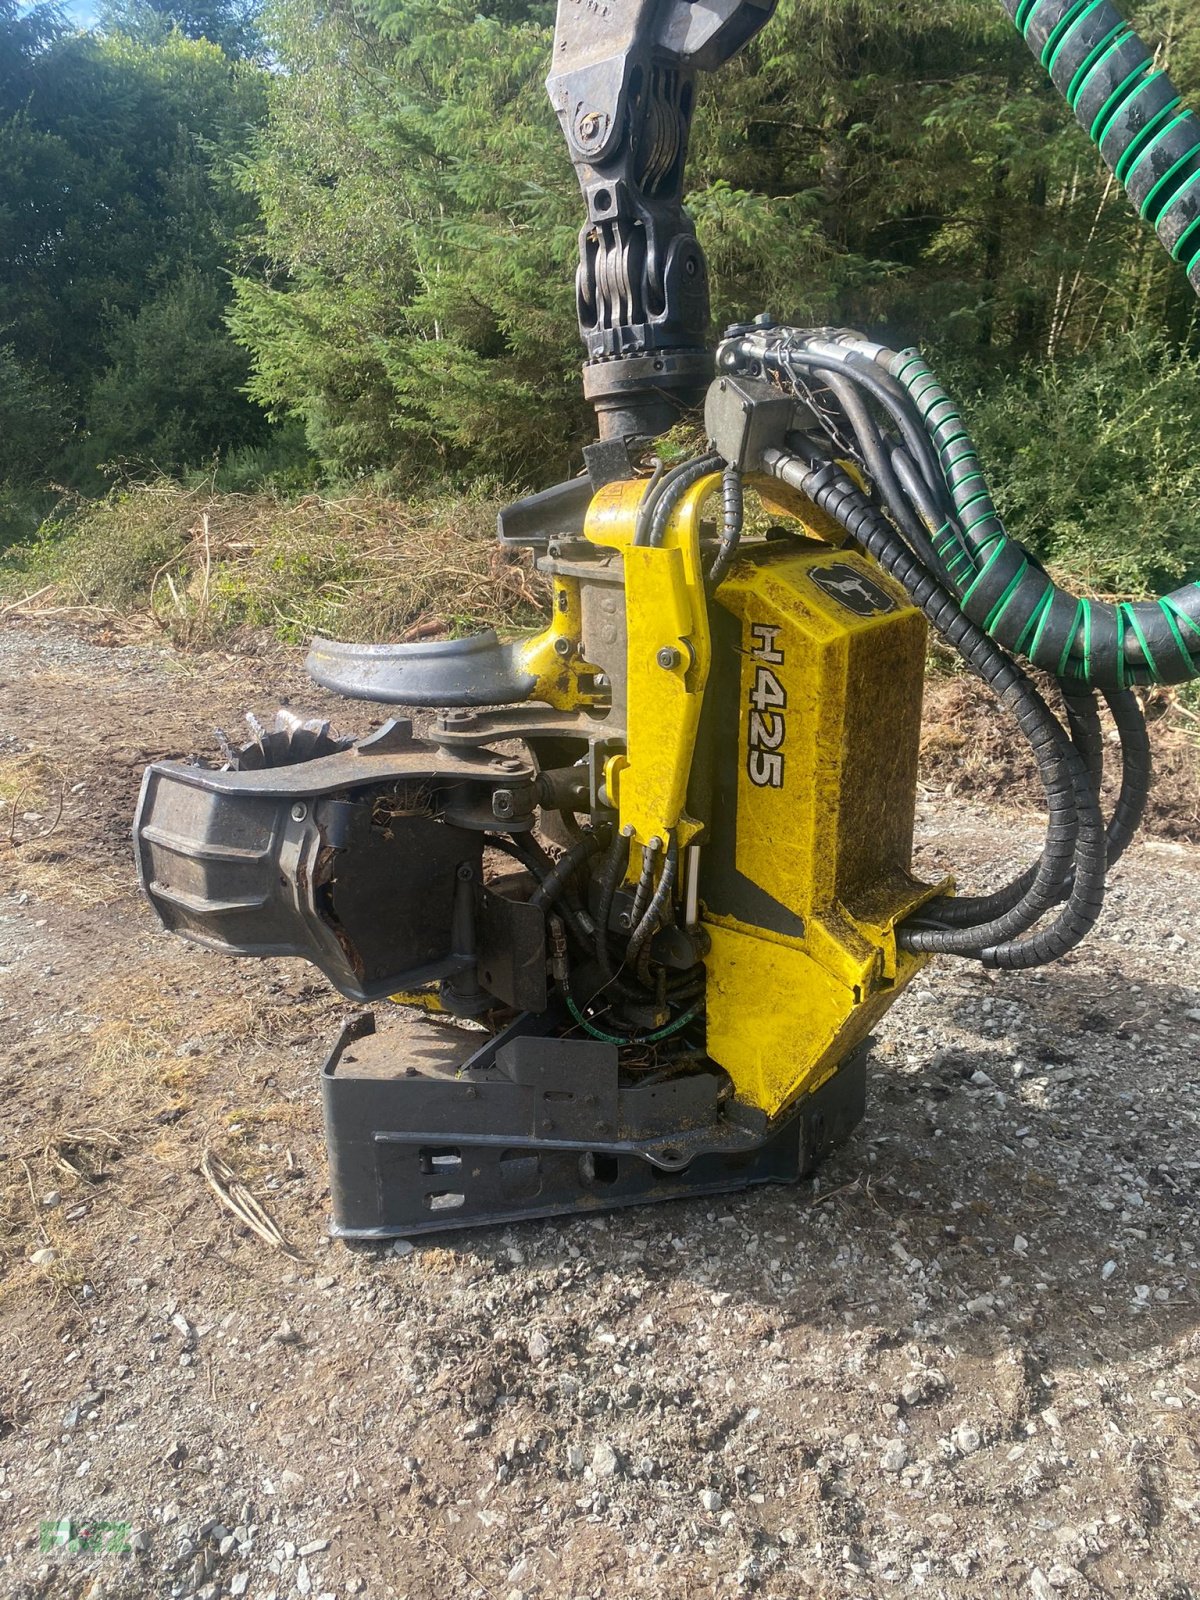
(75, 1161)
(146, 1041)
(59, 876)
(25, 776)
(35, 849)
(147, 1103)
(32, 795)
(968, 748)
(153, 1057)
(358, 567)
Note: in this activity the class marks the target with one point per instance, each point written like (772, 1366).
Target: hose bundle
(1005, 590)
(937, 490)
(928, 519)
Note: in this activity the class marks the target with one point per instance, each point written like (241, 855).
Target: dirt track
(966, 1362)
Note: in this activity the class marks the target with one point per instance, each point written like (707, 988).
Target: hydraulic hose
(552, 885)
(1084, 722)
(645, 885)
(653, 913)
(613, 870)
(892, 396)
(879, 464)
(1083, 719)
(1128, 810)
(917, 490)
(641, 526)
(1130, 108)
(999, 585)
(733, 512)
(672, 490)
(1137, 772)
(663, 492)
(1076, 830)
(1011, 596)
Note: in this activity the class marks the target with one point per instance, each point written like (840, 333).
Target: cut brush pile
(360, 567)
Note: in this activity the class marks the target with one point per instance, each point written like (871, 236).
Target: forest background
(283, 291)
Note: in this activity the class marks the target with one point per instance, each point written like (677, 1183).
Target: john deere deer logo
(853, 590)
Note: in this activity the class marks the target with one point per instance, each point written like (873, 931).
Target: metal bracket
(480, 671)
(623, 87)
(427, 1131)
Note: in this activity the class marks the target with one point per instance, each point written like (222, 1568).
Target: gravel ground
(964, 1361)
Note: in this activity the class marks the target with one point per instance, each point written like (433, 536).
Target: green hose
(1130, 109)
(1136, 118)
(614, 1038)
(1005, 591)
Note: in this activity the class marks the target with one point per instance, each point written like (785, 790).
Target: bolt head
(299, 811)
(669, 658)
(563, 647)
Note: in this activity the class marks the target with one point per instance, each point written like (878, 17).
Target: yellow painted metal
(779, 1021)
(828, 736)
(553, 657)
(828, 729)
(780, 498)
(421, 999)
(668, 657)
(613, 768)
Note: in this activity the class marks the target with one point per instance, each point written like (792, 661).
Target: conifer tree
(905, 169)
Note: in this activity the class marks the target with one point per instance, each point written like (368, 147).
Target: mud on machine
(662, 850)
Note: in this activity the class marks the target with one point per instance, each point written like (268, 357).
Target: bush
(104, 552)
(281, 465)
(34, 423)
(23, 512)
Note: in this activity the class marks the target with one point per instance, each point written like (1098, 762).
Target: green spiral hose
(1151, 141)
(1132, 111)
(1004, 590)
